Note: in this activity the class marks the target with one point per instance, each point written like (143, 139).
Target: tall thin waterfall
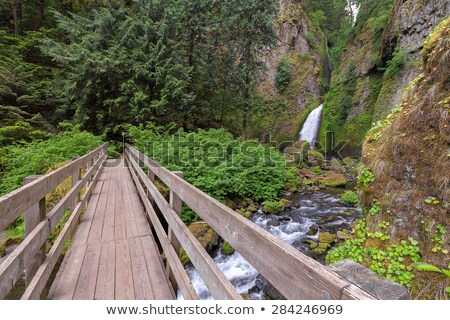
(311, 127)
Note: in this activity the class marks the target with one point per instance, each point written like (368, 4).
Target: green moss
(227, 249)
(9, 242)
(272, 207)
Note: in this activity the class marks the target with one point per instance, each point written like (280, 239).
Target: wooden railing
(294, 274)
(30, 255)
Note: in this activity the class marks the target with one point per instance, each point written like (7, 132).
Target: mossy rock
(312, 244)
(207, 237)
(310, 182)
(326, 237)
(230, 204)
(227, 249)
(184, 257)
(334, 180)
(315, 158)
(343, 235)
(272, 207)
(245, 214)
(252, 208)
(286, 203)
(9, 242)
(349, 161)
(337, 166)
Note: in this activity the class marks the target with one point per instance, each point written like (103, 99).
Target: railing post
(177, 205)
(76, 176)
(32, 217)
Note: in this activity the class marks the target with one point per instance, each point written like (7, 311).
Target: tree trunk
(17, 18)
(40, 7)
(244, 125)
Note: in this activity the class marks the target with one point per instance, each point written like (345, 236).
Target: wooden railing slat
(219, 286)
(294, 274)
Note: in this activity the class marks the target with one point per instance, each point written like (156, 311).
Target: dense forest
(179, 74)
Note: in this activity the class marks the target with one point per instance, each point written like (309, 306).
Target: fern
(422, 266)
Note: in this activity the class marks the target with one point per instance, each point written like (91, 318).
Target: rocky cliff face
(410, 23)
(377, 66)
(408, 156)
(302, 50)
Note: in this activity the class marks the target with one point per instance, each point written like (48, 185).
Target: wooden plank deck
(113, 254)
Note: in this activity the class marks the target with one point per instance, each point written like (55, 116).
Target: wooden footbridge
(124, 240)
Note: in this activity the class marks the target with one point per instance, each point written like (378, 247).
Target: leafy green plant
(394, 261)
(376, 209)
(283, 76)
(350, 197)
(365, 177)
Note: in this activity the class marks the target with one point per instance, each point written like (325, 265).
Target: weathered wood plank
(219, 286)
(108, 205)
(13, 204)
(82, 233)
(85, 289)
(181, 276)
(131, 210)
(67, 284)
(143, 225)
(96, 230)
(142, 282)
(294, 274)
(106, 273)
(124, 276)
(119, 208)
(160, 284)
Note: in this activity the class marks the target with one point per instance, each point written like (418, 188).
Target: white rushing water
(311, 127)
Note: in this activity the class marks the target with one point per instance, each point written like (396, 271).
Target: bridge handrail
(292, 273)
(30, 255)
(220, 287)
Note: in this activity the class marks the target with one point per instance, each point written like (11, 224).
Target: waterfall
(311, 127)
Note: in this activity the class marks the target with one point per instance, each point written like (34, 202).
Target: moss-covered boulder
(334, 180)
(207, 237)
(286, 203)
(315, 158)
(326, 237)
(337, 166)
(272, 207)
(227, 249)
(244, 213)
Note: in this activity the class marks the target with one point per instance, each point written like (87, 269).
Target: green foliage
(20, 161)
(350, 197)
(376, 209)
(396, 64)
(394, 261)
(215, 162)
(365, 177)
(283, 76)
(227, 249)
(318, 171)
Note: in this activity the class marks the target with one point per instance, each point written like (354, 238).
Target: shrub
(284, 71)
(20, 161)
(350, 197)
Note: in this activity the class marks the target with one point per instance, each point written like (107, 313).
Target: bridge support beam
(32, 217)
